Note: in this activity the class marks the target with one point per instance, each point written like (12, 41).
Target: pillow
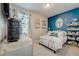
(61, 34)
(49, 32)
(54, 34)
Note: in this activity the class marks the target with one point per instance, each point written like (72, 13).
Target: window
(24, 23)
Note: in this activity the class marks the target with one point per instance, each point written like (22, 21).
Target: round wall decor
(59, 23)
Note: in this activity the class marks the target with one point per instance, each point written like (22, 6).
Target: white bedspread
(53, 42)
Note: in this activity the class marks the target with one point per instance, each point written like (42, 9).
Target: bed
(54, 40)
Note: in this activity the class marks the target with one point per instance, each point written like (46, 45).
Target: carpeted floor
(67, 50)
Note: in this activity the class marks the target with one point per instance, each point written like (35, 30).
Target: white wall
(37, 32)
(3, 25)
(33, 32)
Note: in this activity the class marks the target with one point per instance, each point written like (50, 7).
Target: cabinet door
(13, 30)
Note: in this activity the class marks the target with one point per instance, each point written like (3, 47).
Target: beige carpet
(67, 50)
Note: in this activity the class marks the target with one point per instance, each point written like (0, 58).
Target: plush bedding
(54, 42)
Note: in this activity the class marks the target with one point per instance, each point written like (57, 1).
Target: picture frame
(37, 23)
(43, 24)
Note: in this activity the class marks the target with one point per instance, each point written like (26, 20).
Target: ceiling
(54, 9)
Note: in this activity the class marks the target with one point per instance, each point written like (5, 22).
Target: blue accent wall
(66, 16)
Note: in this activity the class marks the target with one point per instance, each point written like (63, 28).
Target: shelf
(70, 34)
(73, 25)
(72, 29)
(73, 35)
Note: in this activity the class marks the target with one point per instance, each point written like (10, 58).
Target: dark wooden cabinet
(13, 30)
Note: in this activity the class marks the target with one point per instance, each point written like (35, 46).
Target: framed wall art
(43, 24)
(37, 23)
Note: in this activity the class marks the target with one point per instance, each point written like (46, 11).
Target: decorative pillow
(48, 33)
(61, 34)
(54, 34)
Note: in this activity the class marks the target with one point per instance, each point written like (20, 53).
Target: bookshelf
(73, 33)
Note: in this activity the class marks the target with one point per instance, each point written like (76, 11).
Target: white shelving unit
(73, 33)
